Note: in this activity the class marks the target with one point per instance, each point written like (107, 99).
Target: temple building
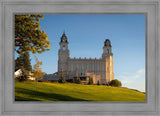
(98, 69)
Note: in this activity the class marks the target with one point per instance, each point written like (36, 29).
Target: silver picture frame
(148, 7)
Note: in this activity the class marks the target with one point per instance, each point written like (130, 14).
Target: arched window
(82, 67)
(102, 76)
(92, 67)
(102, 67)
(97, 67)
(87, 66)
(71, 67)
(108, 51)
(77, 66)
(62, 67)
(65, 67)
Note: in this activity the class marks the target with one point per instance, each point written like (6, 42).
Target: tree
(23, 76)
(37, 72)
(26, 61)
(28, 36)
(115, 83)
(23, 61)
(98, 83)
(74, 80)
(18, 63)
(90, 81)
(78, 80)
(62, 80)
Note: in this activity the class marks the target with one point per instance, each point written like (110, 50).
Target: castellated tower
(63, 54)
(107, 57)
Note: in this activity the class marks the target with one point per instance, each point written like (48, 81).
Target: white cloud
(133, 80)
(139, 73)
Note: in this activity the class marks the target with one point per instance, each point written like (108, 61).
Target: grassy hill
(26, 91)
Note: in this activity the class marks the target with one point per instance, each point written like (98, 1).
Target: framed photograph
(62, 69)
(88, 58)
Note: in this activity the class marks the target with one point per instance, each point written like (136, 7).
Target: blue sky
(86, 35)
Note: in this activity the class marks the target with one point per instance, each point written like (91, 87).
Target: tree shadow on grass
(19, 98)
(36, 96)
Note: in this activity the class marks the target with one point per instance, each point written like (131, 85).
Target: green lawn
(26, 91)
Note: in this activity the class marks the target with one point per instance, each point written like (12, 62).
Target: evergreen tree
(98, 83)
(74, 80)
(23, 61)
(23, 76)
(79, 80)
(62, 80)
(26, 61)
(18, 63)
(90, 81)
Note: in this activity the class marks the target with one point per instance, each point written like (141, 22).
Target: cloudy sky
(86, 35)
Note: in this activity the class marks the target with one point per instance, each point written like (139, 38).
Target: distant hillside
(74, 92)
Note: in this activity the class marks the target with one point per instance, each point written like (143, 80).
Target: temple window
(108, 51)
(102, 67)
(102, 76)
(66, 67)
(62, 67)
(87, 66)
(82, 67)
(71, 67)
(92, 67)
(97, 67)
(77, 66)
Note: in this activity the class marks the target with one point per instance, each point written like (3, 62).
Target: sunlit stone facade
(98, 69)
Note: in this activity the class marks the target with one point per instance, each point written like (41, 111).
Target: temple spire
(64, 31)
(64, 37)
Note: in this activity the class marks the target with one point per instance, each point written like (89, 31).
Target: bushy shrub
(40, 80)
(75, 80)
(115, 83)
(43, 81)
(52, 81)
(69, 80)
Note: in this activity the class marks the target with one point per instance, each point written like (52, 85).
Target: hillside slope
(73, 92)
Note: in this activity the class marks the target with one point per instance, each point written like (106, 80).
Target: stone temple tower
(107, 56)
(63, 54)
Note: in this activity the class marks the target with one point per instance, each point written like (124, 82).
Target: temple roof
(64, 38)
(107, 42)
